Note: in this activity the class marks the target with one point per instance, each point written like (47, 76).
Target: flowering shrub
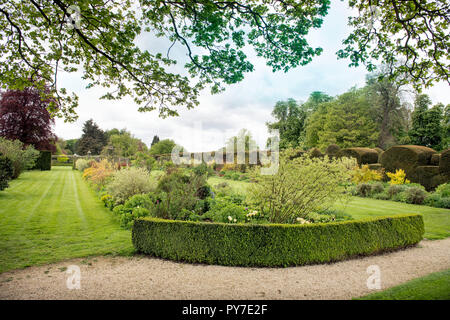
(81, 164)
(399, 177)
(127, 182)
(62, 159)
(98, 173)
(301, 185)
(364, 174)
(108, 201)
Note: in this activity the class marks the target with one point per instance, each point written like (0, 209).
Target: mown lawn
(437, 221)
(435, 286)
(46, 216)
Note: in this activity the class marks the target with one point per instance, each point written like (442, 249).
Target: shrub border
(274, 245)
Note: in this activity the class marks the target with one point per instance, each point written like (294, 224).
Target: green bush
(400, 197)
(126, 183)
(415, 195)
(395, 189)
(381, 196)
(44, 161)
(137, 206)
(437, 201)
(62, 158)
(377, 188)
(274, 245)
(22, 158)
(443, 190)
(81, 165)
(364, 189)
(302, 185)
(6, 172)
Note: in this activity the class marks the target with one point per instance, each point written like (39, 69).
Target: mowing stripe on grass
(53, 215)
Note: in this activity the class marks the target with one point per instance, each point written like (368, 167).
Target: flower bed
(274, 245)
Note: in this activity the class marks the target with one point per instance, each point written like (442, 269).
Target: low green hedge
(274, 245)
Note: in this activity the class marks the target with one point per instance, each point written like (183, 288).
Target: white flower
(230, 218)
(235, 220)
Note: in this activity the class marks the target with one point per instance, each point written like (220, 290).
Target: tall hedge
(6, 171)
(274, 245)
(44, 162)
(362, 155)
(407, 158)
(444, 163)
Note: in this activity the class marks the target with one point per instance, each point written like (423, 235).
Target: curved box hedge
(274, 245)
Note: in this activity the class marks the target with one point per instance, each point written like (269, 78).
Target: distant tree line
(376, 115)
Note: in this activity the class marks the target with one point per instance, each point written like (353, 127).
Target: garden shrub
(381, 196)
(440, 198)
(6, 172)
(98, 173)
(436, 200)
(302, 185)
(443, 190)
(401, 196)
(144, 160)
(274, 245)
(62, 159)
(395, 189)
(137, 206)
(22, 158)
(108, 201)
(415, 195)
(377, 187)
(43, 161)
(364, 174)
(364, 189)
(127, 182)
(362, 155)
(178, 190)
(399, 177)
(81, 165)
(227, 212)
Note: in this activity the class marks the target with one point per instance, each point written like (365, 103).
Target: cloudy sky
(247, 104)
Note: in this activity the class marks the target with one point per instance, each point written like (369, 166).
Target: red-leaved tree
(24, 116)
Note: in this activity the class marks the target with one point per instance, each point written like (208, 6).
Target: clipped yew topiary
(315, 153)
(379, 150)
(296, 154)
(444, 164)
(44, 161)
(429, 177)
(408, 158)
(6, 172)
(362, 155)
(435, 159)
(333, 150)
(274, 245)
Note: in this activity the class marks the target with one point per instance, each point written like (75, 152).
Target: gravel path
(143, 277)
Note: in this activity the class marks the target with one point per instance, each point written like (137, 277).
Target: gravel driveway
(142, 277)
